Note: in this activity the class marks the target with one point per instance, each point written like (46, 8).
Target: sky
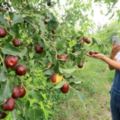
(99, 17)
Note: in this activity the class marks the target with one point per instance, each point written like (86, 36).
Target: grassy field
(91, 99)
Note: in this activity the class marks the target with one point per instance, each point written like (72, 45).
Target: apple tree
(39, 54)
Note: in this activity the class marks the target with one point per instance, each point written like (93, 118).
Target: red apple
(65, 88)
(11, 61)
(56, 78)
(2, 115)
(9, 104)
(92, 52)
(62, 57)
(38, 48)
(21, 70)
(22, 91)
(95, 52)
(16, 42)
(3, 32)
(86, 40)
(18, 92)
(53, 78)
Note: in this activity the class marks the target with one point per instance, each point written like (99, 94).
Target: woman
(114, 63)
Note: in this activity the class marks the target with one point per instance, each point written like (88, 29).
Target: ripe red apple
(11, 61)
(38, 48)
(86, 40)
(16, 42)
(65, 88)
(2, 115)
(62, 57)
(21, 70)
(9, 104)
(18, 92)
(56, 78)
(53, 78)
(92, 52)
(95, 52)
(3, 32)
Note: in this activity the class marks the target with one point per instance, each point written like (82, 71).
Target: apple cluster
(9, 104)
(56, 78)
(11, 62)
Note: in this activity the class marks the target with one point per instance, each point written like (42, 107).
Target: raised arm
(113, 64)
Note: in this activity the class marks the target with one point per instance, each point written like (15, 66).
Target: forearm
(112, 63)
(111, 67)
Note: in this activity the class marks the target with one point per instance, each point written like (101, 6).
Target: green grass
(90, 100)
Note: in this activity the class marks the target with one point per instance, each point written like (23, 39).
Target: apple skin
(21, 70)
(3, 32)
(9, 104)
(18, 92)
(16, 42)
(11, 61)
(56, 78)
(92, 52)
(2, 115)
(86, 40)
(62, 57)
(53, 78)
(38, 48)
(65, 88)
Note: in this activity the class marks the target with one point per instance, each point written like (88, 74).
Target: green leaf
(48, 72)
(14, 51)
(17, 19)
(3, 21)
(67, 70)
(72, 43)
(6, 91)
(2, 76)
(75, 82)
(59, 85)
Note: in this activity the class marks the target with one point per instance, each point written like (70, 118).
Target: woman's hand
(113, 64)
(95, 55)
